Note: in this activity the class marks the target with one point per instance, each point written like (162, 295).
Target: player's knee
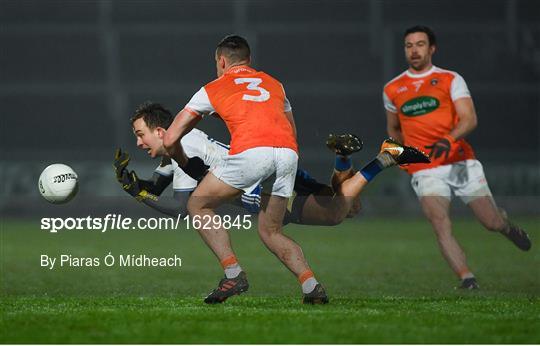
(443, 233)
(268, 232)
(194, 206)
(334, 215)
(334, 219)
(267, 239)
(442, 225)
(438, 218)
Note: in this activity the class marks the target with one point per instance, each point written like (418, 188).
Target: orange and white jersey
(424, 104)
(252, 104)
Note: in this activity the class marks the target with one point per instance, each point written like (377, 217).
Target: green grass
(386, 279)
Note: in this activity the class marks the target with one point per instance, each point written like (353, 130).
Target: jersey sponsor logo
(420, 106)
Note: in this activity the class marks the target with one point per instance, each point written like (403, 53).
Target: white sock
(468, 275)
(309, 285)
(232, 271)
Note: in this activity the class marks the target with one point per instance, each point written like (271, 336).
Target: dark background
(73, 71)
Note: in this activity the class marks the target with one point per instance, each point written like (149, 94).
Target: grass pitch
(386, 279)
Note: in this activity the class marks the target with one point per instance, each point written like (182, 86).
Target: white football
(58, 183)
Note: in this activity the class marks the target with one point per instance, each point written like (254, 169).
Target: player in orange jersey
(263, 150)
(432, 109)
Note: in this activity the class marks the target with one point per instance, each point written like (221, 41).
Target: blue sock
(370, 170)
(343, 163)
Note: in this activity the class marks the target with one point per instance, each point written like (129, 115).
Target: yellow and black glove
(121, 160)
(132, 185)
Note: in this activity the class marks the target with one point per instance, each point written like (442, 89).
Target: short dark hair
(234, 47)
(153, 114)
(426, 30)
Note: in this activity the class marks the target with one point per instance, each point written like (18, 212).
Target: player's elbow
(474, 123)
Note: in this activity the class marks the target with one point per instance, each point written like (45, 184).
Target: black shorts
(304, 185)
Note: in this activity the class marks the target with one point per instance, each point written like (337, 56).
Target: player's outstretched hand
(132, 185)
(439, 148)
(195, 168)
(121, 160)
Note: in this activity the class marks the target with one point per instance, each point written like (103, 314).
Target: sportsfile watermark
(118, 222)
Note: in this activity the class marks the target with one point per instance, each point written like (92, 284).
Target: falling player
(313, 203)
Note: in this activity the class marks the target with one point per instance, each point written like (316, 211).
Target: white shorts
(274, 168)
(465, 179)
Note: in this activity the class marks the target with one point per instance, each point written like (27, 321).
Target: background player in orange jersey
(431, 108)
(263, 149)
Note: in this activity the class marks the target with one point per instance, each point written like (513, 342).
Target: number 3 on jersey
(253, 85)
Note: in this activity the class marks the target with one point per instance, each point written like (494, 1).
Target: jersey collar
(421, 75)
(240, 68)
